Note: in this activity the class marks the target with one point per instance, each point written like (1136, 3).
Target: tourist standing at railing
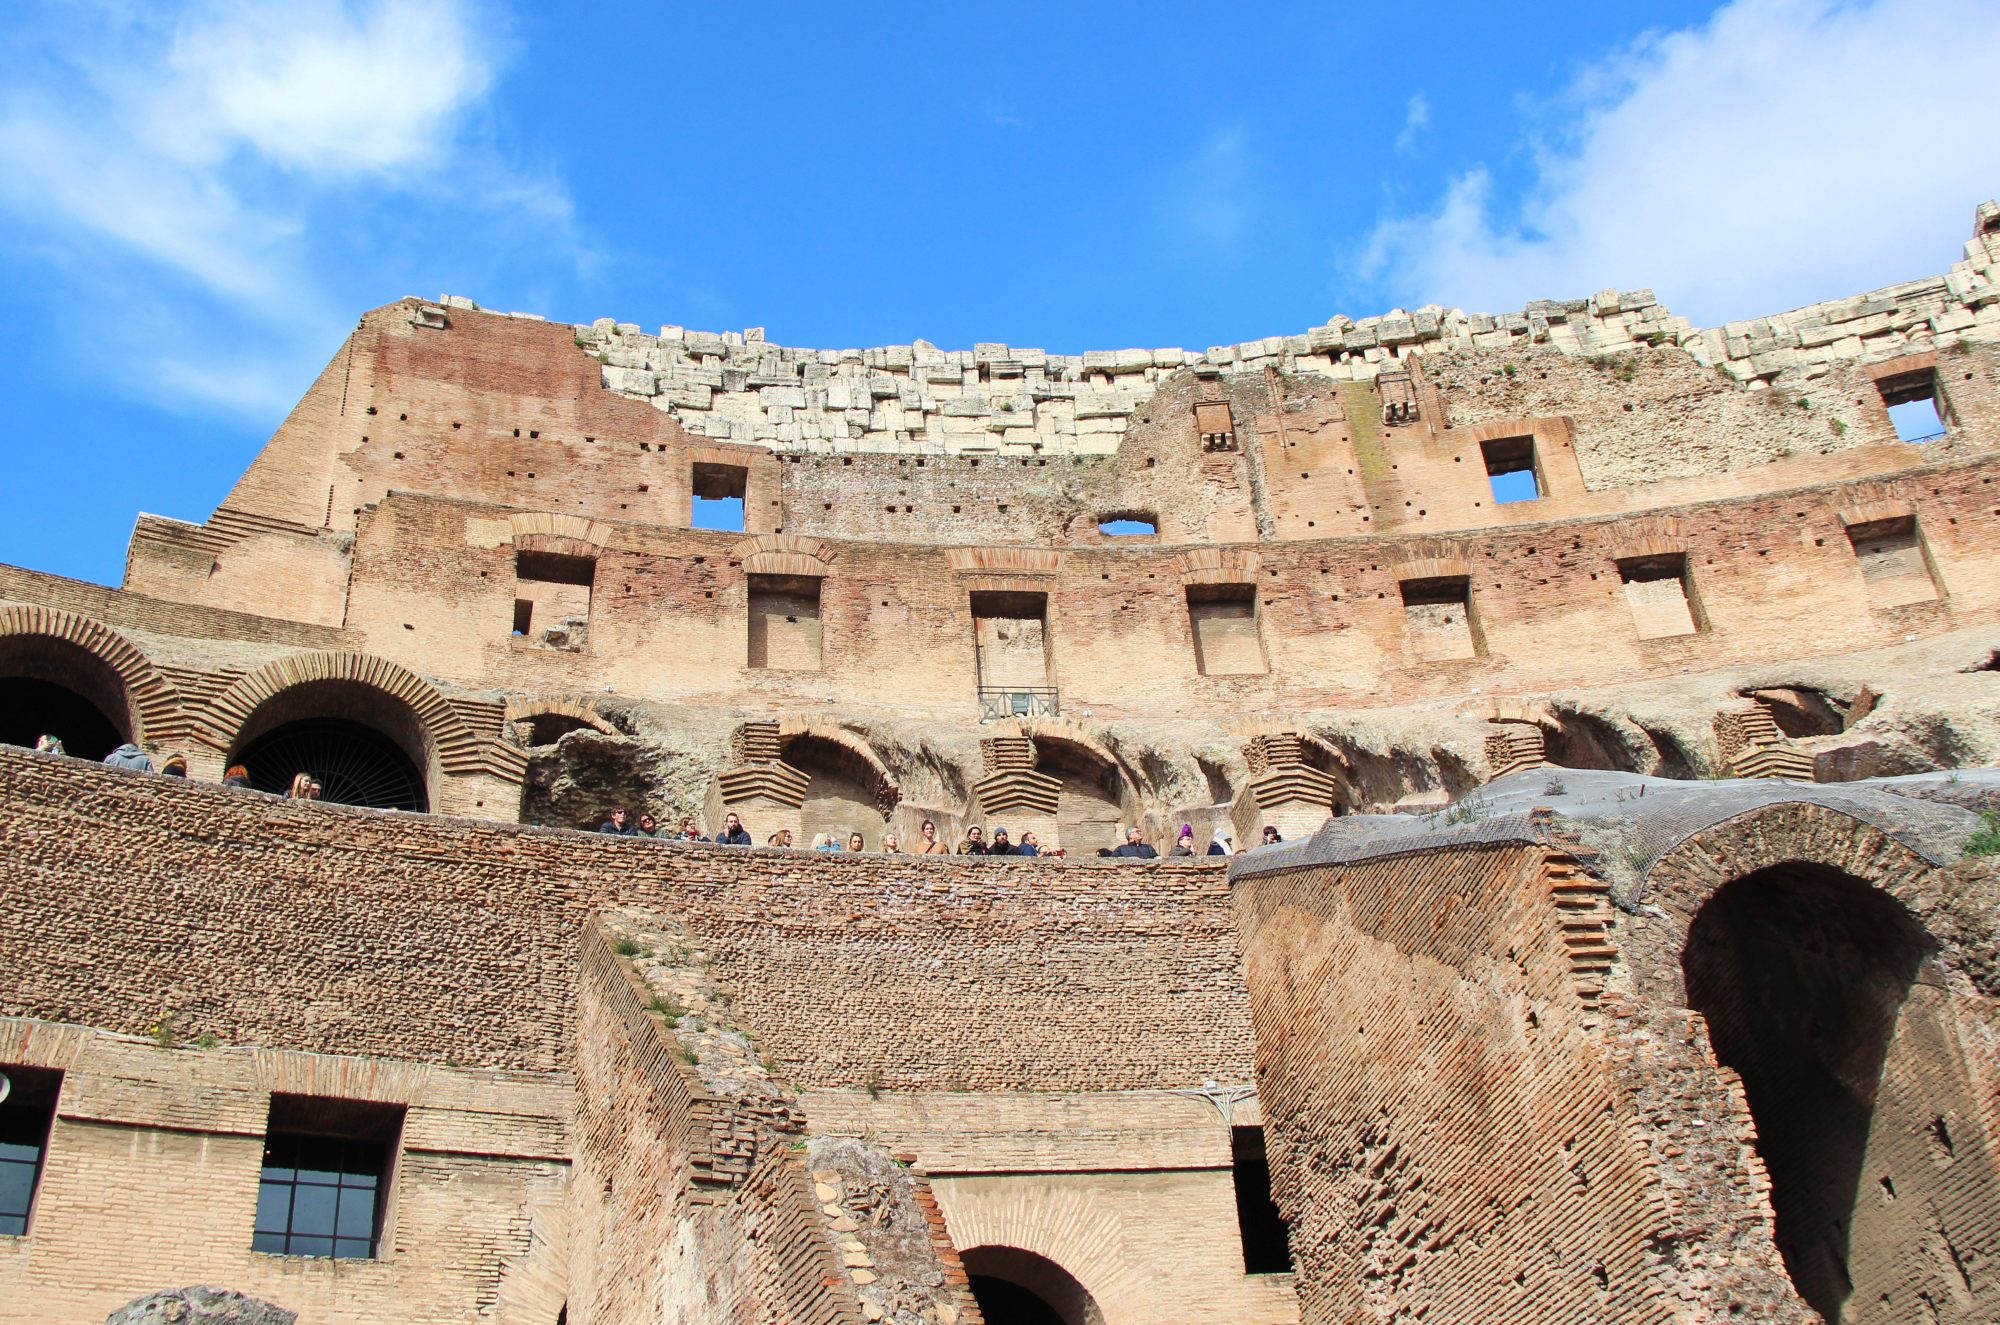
(1000, 846)
(1184, 844)
(48, 745)
(129, 756)
(237, 776)
(648, 826)
(974, 843)
(689, 832)
(1136, 847)
(928, 844)
(1030, 844)
(891, 844)
(619, 824)
(1271, 835)
(733, 833)
(1221, 844)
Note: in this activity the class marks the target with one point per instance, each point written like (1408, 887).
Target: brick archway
(70, 647)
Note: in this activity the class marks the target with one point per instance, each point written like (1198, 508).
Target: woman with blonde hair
(303, 788)
(892, 844)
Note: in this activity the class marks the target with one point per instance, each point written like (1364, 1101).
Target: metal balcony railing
(1033, 702)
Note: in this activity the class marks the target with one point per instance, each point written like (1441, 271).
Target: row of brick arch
(59, 651)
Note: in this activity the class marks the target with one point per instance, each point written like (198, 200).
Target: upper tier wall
(1007, 399)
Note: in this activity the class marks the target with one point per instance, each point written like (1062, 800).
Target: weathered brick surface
(349, 931)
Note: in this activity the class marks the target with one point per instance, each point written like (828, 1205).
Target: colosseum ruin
(1623, 698)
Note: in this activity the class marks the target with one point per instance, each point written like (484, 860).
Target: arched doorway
(1089, 801)
(364, 746)
(1808, 979)
(845, 794)
(1016, 1287)
(50, 686)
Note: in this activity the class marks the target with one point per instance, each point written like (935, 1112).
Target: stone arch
(74, 653)
(534, 720)
(1057, 1225)
(1016, 1287)
(1097, 789)
(783, 554)
(354, 688)
(849, 788)
(1806, 959)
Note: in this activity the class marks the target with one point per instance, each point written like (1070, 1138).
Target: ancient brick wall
(348, 931)
(152, 1175)
(1447, 1135)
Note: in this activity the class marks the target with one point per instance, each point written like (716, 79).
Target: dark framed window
(325, 1183)
(25, 1118)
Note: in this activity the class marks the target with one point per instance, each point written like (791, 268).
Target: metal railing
(1032, 702)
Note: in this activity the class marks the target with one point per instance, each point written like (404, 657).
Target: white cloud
(1785, 152)
(1416, 114)
(227, 147)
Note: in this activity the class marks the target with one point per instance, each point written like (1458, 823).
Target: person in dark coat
(733, 832)
(1136, 848)
(619, 824)
(129, 756)
(1001, 846)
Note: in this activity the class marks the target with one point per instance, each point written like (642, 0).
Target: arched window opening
(1802, 973)
(1015, 1287)
(52, 687)
(364, 746)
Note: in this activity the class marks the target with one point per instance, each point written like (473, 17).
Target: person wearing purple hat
(1184, 844)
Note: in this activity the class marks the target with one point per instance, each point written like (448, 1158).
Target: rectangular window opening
(1437, 618)
(1266, 1244)
(1895, 564)
(325, 1183)
(1657, 591)
(1223, 619)
(26, 1117)
(552, 598)
(719, 491)
(1127, 526)
(1916, 410)
(1511, 470)
(785, 623)
(1012, 655)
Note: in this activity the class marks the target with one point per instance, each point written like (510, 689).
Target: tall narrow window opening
(1266, 1245)
(26, 1116)
(1223, 619)
(1511, 470)
(785, 623)
(1012, 654)
(325, 1182)
(718, 496)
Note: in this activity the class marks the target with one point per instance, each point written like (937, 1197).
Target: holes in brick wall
(1438, 620)
(1917, 409)
(1895, 563)
(784, 623)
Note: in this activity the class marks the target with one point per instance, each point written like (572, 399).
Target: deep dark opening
(355, 764)
(1266, 1246)
(1003, 1303)
(25, 1118)
(1801, 972)
(1801, 711)
(31, 708)
(1440, 591)
(1016, 1287)
(547, 728)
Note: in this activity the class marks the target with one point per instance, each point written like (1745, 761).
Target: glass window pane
(17, 1188)
(21, 1150)
(13, 1226)
(364, 1181)
(353, 1248)
(275, 1173)
(357, 1214)
(274, 1206)
(271, 1242)
(312, 1246)
(312, 1210)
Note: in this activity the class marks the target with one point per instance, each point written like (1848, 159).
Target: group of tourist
(621, 822)
(304, 787)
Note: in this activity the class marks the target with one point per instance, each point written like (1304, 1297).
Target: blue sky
(197, 200)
